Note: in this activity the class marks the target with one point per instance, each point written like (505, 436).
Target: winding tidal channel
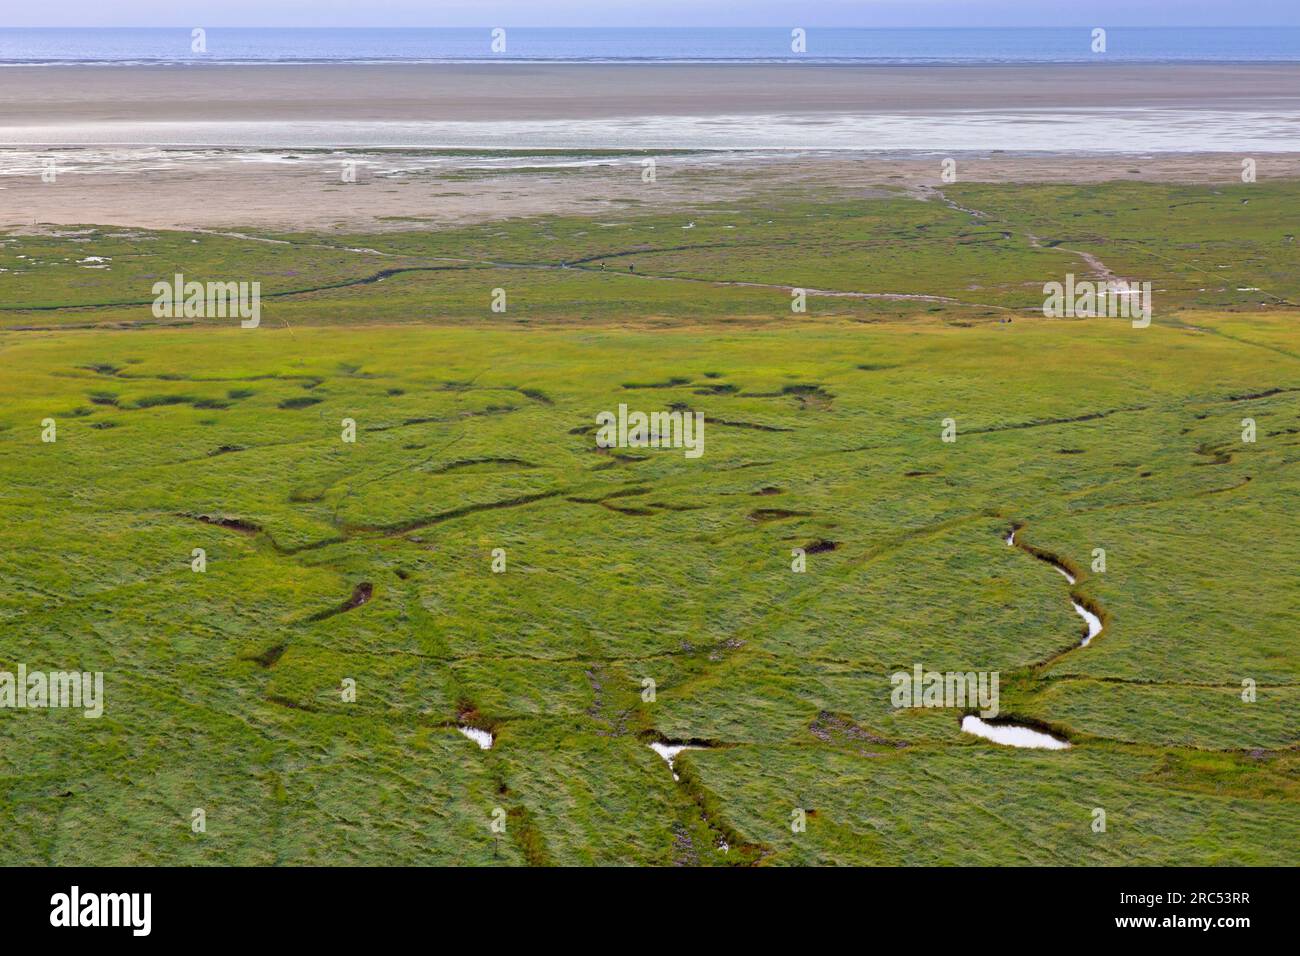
(1016, 735)
(1092, 620)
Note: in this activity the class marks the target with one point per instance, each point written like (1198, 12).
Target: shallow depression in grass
(1011, 735)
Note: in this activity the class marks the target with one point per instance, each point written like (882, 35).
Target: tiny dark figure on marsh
(631, 268)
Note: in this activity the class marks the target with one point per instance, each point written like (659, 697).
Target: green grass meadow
(475, 431)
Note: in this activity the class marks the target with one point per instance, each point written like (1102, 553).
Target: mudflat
(397, 191)
(54, 95)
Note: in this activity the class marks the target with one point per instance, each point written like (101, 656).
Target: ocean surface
(133, 46)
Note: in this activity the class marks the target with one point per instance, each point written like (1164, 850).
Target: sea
(137, 46)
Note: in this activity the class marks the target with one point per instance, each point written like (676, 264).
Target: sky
(591, 13)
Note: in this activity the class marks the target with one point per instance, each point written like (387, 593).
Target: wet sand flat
(215, 189)
(59, 95)
(269, 135)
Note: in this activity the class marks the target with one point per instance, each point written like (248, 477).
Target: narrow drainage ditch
(669, 751)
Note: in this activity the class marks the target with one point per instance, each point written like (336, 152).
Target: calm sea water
(827, 44)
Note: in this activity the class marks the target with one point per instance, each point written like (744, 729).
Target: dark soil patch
(828, 726)
(235, 524)
(673, 382)
(471, 462)
(722, 389)
(360, 595)
(775, 514)
(268, 657)
(302, 401)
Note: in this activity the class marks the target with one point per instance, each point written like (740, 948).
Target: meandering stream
(1092, 620)
(1016, 735)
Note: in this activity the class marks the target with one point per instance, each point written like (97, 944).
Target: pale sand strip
(217, 193)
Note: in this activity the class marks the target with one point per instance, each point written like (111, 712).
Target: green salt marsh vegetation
(371, 561)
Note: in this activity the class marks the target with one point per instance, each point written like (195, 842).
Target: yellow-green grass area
(1216, 246)
(224, 689)
(982, 805)
(968, 254)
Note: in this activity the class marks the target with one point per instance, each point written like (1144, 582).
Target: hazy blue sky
(883, 13)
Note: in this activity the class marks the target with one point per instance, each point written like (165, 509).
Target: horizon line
(728, 26)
